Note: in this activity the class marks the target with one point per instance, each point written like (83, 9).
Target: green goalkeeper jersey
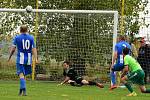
(132, 63)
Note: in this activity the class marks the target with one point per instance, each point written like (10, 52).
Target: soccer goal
(84, 37)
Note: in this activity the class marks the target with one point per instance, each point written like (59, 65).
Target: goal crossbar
(58, 11)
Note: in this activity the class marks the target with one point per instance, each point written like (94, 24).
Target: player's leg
(113, 78)
(140, 81)
(20, 72)
(27, 70)
(116, 67)
(81, 81)
(22, 84)
(118, 77)
(128, 86)
(138, 78)
(85, 82)
(143, 89)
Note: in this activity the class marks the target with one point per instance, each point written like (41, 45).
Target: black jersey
(71, 73)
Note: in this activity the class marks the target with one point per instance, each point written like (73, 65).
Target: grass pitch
(38, 90)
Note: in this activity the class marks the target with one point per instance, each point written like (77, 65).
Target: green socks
(147, 91)
(129, 87)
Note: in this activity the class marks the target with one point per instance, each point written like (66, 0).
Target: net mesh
(86, 40)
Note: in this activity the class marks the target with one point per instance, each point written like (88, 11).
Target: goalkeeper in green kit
(135, 74)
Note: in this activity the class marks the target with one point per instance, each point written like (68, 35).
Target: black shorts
(79, 80)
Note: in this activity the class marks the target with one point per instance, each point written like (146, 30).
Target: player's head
(126, 51)
(66, 64)
(142, 41)
(23, 29)
(121, 38)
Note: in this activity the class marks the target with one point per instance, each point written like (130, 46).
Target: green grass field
(38, 90)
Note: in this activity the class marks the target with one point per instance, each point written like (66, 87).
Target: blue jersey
(24, 44)
(119, 48)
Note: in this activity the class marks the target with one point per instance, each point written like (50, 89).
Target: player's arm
(115, 54)
(125, 71)
(34, 51)
(13, 48)
(114, 58)
(65, 80)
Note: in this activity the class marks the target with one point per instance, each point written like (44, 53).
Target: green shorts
(137, 77)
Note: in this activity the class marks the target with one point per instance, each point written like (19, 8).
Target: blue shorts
(25, 69)
(118, 67)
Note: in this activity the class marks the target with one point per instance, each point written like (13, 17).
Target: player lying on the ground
(72, 77)
(135, 74)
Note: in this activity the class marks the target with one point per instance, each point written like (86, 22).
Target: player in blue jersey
(25, 48)
(117, 60)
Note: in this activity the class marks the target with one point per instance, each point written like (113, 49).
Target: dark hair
(126, 51)
(67, 62)
(23, 29)
(122, 37)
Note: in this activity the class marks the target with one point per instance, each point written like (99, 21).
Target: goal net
(84, 37)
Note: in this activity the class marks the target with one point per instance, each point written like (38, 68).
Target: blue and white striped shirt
(24, 43)
(119, 48)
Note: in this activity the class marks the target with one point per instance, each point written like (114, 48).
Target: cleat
(20, 94)
(24, 92)
(100, 85)
(24, 95)
(112, 87)
(132, 94)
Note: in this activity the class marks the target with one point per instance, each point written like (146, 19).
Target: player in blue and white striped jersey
(25, 47)
(117, 61)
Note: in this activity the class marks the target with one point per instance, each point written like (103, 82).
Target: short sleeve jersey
(71, 73)
(119, 48)
(132, 63)
(24, 44)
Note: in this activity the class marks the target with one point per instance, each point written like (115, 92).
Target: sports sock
(92, 83)
(113, 77)
(22, 83)
(20, 92)
(147, 91)
(24, 91)
(129, 87)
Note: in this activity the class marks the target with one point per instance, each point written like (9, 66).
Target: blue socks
(113, 77)
(22, 86)
(22, 83)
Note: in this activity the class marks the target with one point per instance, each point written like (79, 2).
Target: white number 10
(26, 44)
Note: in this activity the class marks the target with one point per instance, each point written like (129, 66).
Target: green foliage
(63, 36)
(132, 7)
